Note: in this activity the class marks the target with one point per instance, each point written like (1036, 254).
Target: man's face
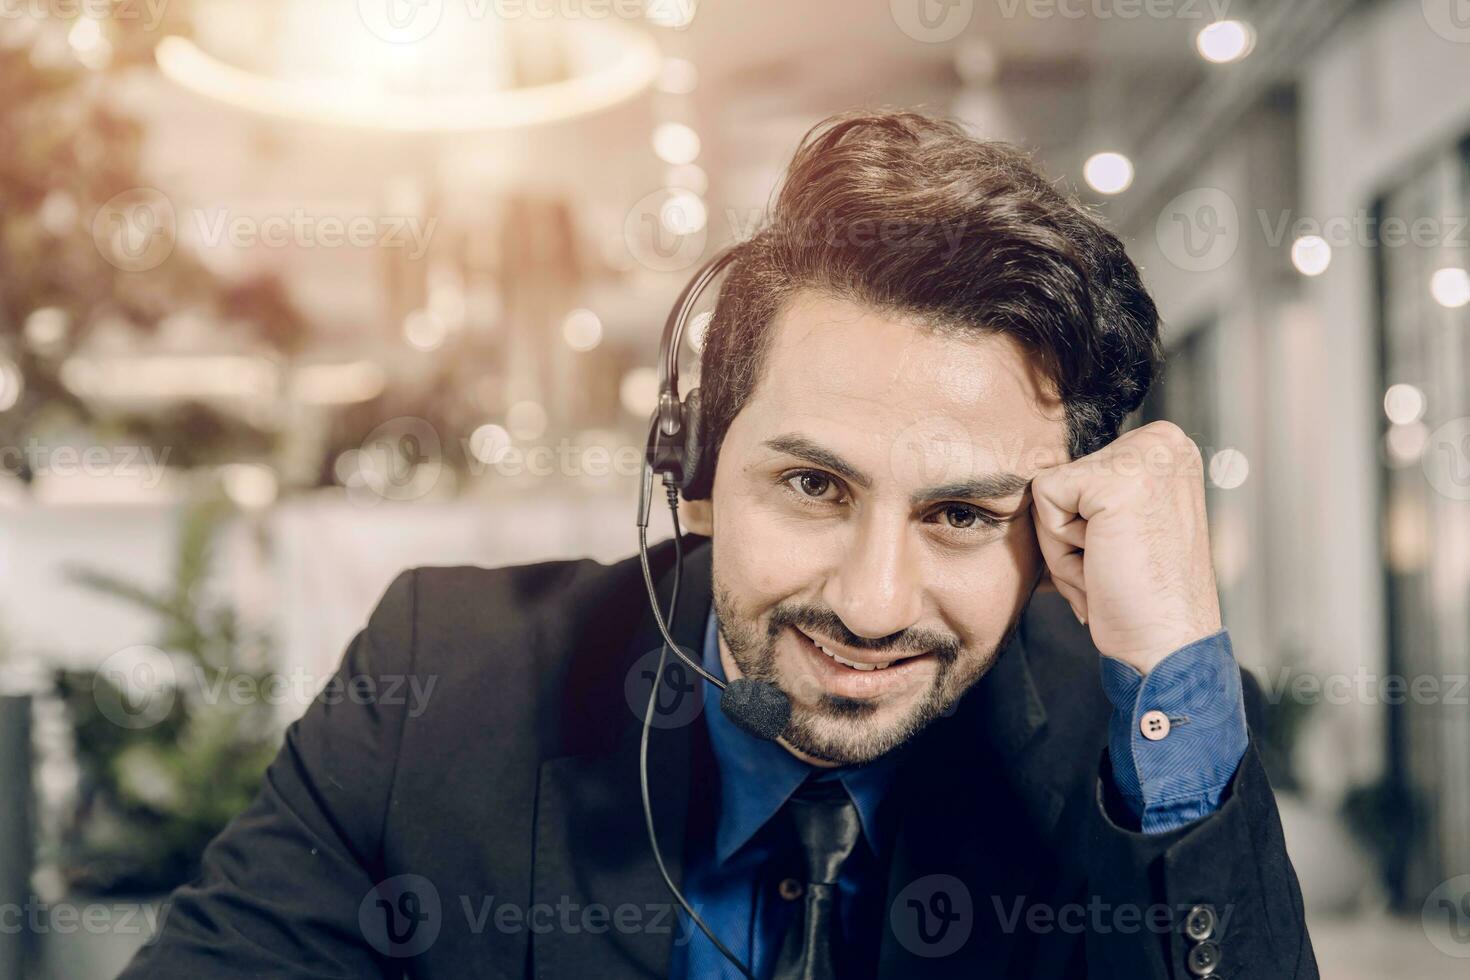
(872, 498)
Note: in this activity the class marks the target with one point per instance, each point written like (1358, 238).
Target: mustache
(825, 622)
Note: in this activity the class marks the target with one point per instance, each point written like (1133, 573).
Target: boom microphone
(756, 707)
(675, 451)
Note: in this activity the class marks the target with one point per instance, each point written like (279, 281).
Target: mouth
(854, 664)
(843, 673)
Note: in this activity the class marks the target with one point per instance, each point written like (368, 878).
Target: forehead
(852, 377)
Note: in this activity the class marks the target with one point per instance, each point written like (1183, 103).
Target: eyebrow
(990, 486)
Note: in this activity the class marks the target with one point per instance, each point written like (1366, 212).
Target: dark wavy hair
(907, 214)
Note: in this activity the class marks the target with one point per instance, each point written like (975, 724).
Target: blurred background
(297, 293)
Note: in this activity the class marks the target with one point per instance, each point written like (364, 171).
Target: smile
(853, 664)
(846, 676)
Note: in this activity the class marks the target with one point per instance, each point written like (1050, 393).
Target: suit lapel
(970, 847)
(592, 857)
(974, 810)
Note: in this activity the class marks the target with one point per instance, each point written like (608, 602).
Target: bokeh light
(1311, 255)
(1108, 173)
(582, 330)
(1225, 41)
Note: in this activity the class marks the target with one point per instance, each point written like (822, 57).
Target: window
(1424, 458)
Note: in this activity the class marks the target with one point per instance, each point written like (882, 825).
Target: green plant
(153, 793)
(1386, 817)
(1284, 720)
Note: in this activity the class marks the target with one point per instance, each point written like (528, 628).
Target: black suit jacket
(502, 816)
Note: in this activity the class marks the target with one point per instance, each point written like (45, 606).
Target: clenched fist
(1125, 540)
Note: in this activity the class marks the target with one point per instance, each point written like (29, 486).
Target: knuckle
(1171, 452)
(1041, 486)
(1165, 429)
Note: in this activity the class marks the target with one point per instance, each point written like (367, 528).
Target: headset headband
(669, 416)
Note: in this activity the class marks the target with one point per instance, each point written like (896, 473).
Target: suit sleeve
(1217, 897)
(281, 887)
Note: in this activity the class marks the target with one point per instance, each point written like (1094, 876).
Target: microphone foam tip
(756, 707)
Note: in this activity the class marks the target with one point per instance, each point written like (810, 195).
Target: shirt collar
(757, 776)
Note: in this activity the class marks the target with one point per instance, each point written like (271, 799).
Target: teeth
(849, 663)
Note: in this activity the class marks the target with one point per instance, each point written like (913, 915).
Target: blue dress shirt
(727, 876)
(1181, 777)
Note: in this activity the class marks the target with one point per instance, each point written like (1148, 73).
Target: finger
(1067, 570)
(1083, 488)
(1063, 559)
(1073, 531)
(1076, 598)
(1059, 518)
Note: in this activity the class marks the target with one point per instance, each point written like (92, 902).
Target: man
(922, 525)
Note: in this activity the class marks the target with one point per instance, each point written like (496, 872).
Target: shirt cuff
(1177, 735)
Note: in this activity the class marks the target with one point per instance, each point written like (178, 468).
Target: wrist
(1146, 657)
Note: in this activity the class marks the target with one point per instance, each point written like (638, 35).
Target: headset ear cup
(693, 485)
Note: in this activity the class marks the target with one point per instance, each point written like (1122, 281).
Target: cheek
(758, 551)
(979, 593)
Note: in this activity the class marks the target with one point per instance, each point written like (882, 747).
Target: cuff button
(1199, 925)
(1203, 959)
(1154, 725)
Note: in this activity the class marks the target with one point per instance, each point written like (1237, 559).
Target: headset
(676, 452)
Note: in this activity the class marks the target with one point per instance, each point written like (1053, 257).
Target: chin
(846, 731)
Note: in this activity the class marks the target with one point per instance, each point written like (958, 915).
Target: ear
(697, 516)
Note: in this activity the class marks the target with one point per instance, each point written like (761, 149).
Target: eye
(811, 486)
(965, 517)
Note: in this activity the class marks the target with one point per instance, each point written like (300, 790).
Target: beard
(842, 730)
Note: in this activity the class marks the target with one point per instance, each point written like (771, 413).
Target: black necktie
(827, 828)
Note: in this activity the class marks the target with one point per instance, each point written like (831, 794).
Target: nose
(875, 587)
